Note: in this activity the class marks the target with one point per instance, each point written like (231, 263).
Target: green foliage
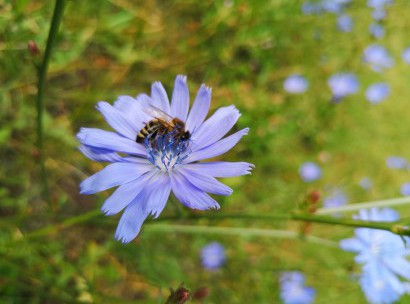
(244, 51)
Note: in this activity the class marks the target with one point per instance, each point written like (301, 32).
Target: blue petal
(132, 219)
(220, 147)
(189, 195)
(100, 157)
(117, 120)
(205, 182)
(131, 108)
(110, 141)
(199, 109)
(214, 128)
(161, 188)
(151, 200)
(180, 98)
(222, 169)
(352, 245)
(400, 266)
(159, 97)
(113, 175)
(124, 195)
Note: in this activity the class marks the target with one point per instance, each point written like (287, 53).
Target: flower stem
(42, 73)
(236, 231)
(393, 227)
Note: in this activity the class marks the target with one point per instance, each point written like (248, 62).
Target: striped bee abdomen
(153, 127)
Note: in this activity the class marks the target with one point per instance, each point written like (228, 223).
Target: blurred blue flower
(379, 14)
(334, 6)
(345, 23)
(343, 84)
(379, 3)
(310, 8)
(377, 92)
(366, 183)
(376, 30)
(405, 189)
(406, 55)
(378, 57)
(147, 172)
(336, 198)
(295, 84)
(383, 256)
(310, 172)
(213, 256)
(396, 162)
(293, 289)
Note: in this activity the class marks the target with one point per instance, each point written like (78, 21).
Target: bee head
(185, 135)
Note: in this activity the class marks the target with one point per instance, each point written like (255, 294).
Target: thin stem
(244, 232)
(393, 227)
(42, 73)
(354, 207)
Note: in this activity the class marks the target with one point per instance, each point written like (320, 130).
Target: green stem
(354, 207)
(389, 226)
(297, 216)
(236, 231)
(42, 73)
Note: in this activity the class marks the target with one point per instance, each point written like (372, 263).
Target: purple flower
(396, 162)
(295, 84)
(345, 23)
(213, 256)
(377, 57)
(310, 172)
(406, 55)
(383, 256)
(377, 92)
(343, 84)
(166, 159)
(293, 289)
(376, 30)
(405, 189)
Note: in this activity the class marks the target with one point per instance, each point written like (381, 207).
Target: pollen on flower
(166, 150)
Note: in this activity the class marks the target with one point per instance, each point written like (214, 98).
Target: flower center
(167, 150)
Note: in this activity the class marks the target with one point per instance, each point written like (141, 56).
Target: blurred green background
(242, 49)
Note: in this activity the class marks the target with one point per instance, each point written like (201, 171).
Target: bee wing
(154, 112)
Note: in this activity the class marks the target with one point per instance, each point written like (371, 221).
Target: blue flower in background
(343, 84)
(345, 23)
(366, 183)
(406, 55)
(405, 189)
(379, 3)
(295, 84)
(376, 30)
(334, 6)
(213, 256)
(379, 14)
(310, 172)
(336, 198)
(377, 92)
(377, 57)
(293, 289)
(166, 160)
(396, 162)
(383, 256)
(310, 8)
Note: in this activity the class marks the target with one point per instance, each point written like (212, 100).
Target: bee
(162, 124)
